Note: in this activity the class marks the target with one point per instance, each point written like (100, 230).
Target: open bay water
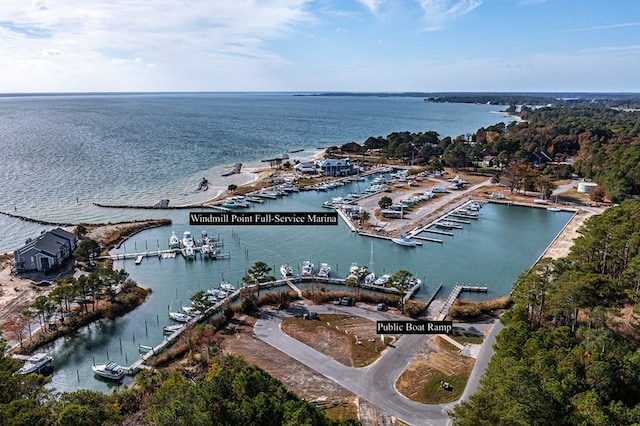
(66, 152)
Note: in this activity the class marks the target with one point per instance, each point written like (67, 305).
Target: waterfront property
(338, 167)
(45, 252)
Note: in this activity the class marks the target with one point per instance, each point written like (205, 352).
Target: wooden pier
(453, 296)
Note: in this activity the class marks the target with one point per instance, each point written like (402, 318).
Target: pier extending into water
(453, 296)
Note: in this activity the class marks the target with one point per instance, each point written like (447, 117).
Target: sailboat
(370, 278)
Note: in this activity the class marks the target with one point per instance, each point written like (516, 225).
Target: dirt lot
(297, 377)
(438, 360)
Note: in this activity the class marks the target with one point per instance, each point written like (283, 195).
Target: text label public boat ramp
(264, 218)
(414, 327)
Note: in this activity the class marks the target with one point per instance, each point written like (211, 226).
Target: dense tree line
(233, 393)
(568, 356)
(593, 141)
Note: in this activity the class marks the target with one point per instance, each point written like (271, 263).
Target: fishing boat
(179, 316)
(307, 268)
(286, 271)
(110, 370)
(174, 241)
(403, 240)
(324, 270)
(35, 363)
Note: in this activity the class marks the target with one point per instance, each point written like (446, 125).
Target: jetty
(453, 296)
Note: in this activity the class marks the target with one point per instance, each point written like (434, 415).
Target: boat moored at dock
(36, 363)
(110, 370)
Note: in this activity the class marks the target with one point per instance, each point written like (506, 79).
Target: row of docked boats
(212, 297)
(41, 362)
(189, 247)
(308, 270)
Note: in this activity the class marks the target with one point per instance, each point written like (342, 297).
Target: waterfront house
(45, 252)
(306, 168)
(338, 167)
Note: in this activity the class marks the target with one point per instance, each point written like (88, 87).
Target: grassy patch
(464, 337)
(433, 392)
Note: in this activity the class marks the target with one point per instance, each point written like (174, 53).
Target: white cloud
(94, 34)
(372, 5)
(437, 13)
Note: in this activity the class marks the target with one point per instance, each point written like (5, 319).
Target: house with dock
(45, 252)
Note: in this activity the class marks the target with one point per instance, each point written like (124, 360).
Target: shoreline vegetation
(572, 319)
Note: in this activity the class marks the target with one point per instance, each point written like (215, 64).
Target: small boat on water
(179, 316)
(286, 271)
(403, 240)
(169, 329)
(227, 286)
(35, 363)
(307, 268)
(370, 278)
(446, 224)
(554, 209)
(174, 241)
(382, 280)
(187, 239)
(110, 370)
(189, 310)
(324, 270)
(254, 199)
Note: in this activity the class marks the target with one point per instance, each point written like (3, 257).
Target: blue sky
(322, 45)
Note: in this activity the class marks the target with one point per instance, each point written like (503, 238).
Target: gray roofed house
(338, 167)
(305, 168)
(45, 252)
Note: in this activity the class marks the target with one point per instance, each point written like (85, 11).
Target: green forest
(569, 355)
(233, 393)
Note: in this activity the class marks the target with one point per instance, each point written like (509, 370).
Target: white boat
(403, 240)
(190, 252)
(307, 268)
(370, 278)
(324, 270)
(382, 280)
(554, 209)
(110, 370)
(174, 241)
(187, 240)
(189, 310)
(235, 202)
(227, 286)
(446, 224)
(169, 329)
(35, 363)
(179, 316)
(286, 271)
(205, 249)
(222, 295)
(540, 201)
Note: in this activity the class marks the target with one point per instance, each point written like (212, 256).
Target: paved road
(375, 383)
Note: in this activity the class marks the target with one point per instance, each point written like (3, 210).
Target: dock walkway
(453, 296)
